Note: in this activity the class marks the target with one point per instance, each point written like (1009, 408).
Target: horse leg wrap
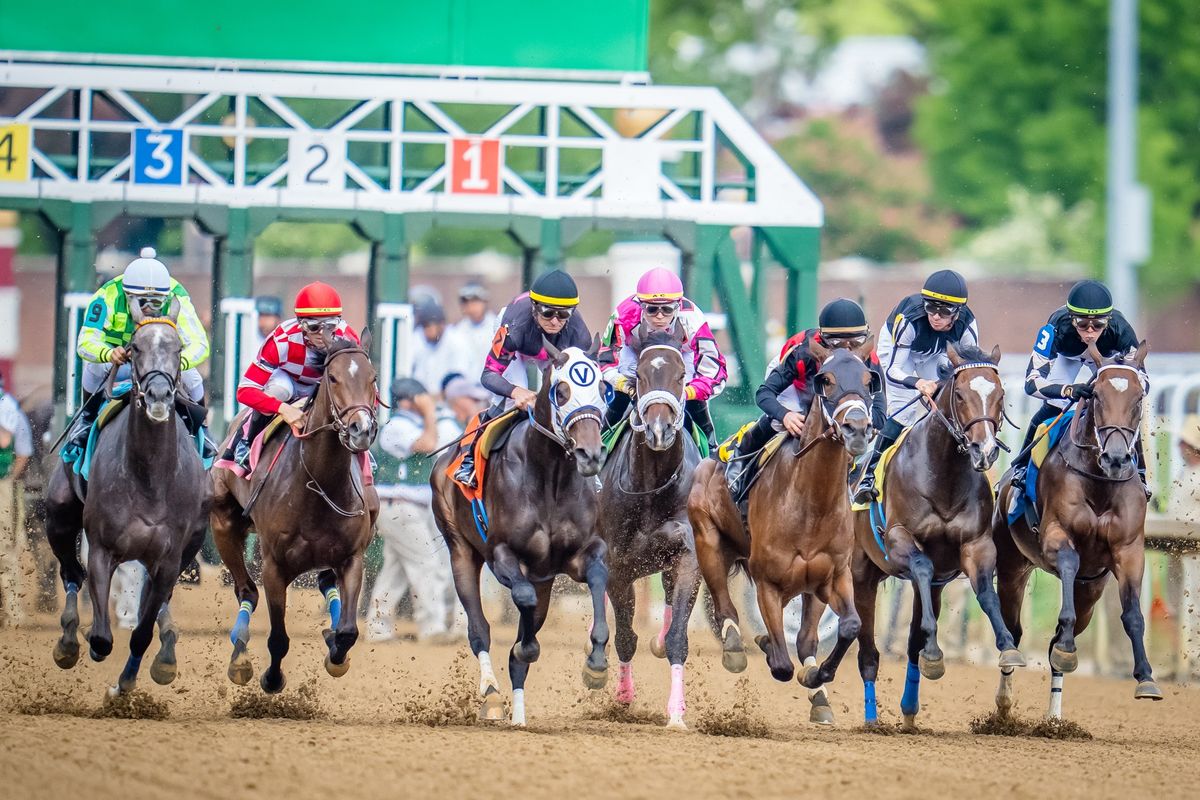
(487, 678)
(518, 707)
(334, 599)
(625, 688)
(1056, 693)
(910, 702)
(676, 705)
(810, 662)
(870, 708)
(241, 626)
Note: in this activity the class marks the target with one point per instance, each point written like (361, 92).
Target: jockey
(787, 393)
(289, 365)
(911, 347)
(659, 302)
(1059, 369)
(547, 312)
(108, 326)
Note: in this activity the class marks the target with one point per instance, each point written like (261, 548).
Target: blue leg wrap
(910, 701)
(72, 587)
(870, 709)
(335, 605)
(241, 626)
(132, 666)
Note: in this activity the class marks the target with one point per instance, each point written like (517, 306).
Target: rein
(1103, 442)
(957, 430)
(138, 379)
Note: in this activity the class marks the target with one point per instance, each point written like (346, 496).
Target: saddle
(492, 438)
(881, 469)
(80, 461)
(1026, 504)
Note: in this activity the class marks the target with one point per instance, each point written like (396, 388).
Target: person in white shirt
(478, 325)
(437, 349)
(16, 446)
(414, 554)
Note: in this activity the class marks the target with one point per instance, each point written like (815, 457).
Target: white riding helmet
(147, 275)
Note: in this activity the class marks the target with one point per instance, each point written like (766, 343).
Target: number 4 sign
(14, 152)
(475, 166)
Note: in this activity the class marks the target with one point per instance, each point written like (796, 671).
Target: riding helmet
(842, 317)
(406, 389)
(659, 285)
(318, 300)
(554, 288)
(947, 286)
(146, 275)
(268, 305)
(429, 313)
(1090, 299)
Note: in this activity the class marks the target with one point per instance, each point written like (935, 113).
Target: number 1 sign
(475, 166)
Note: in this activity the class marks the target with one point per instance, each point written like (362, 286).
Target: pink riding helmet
(659, 285)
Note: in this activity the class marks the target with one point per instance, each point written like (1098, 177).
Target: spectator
(1184, 503)
(477, 326)
(16, 446)
(1183, 568)
(464, 398)
(415, 558)
(437, 350)
(270, 314)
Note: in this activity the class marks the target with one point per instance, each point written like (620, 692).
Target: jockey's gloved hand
(1081, 390)
(623, 384)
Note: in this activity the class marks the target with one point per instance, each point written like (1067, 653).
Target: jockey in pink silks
(659, 305)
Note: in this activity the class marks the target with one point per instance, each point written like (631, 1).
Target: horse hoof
(97, 657)
(909, 722)
(820, 714)
(162, 672)
(674, 724)
(240, 669)
(66, 654)
(734, 660)
(1062, 661)
(1147, 690)
(492, 708)
(658, 647)
(594, 678)
(783, 674)
(337, 670)
(1011, 658)
(763, 641)
(931, 668)
(527, 655)
(268, 687)
(811, 679)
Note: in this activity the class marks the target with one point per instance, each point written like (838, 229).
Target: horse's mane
(968, 353)
(339, 345)
(661, 338)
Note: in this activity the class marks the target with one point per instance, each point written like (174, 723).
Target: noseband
(338, 416)
(1104, 433)
(659, 397)
(140, 379)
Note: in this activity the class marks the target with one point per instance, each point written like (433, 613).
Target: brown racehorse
(937, 503)
(1093, 515)
(643, 515)
(801, 534)
(310, 510)
(540, 508)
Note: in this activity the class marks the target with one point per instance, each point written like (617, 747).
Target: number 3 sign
(158, 156)
(475, 166)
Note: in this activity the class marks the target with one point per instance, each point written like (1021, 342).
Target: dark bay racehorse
(541, 519)
(310, 510)
(937, 501)
(1093, 514)
(146, 500)
(643, 515)
(801, 536)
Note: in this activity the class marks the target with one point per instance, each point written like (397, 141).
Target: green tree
(1021, 103)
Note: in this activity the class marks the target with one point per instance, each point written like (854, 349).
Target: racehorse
(800, 535)
(933, 522)
(537, 520)
(310, 509)
(146, 499)
(1092, 514)
(643, 515)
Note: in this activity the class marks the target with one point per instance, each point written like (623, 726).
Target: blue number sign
(158, 156)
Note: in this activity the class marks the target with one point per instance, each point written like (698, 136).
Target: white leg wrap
(811, 661)
(1056, 689)
(486, 676)
(518, 707)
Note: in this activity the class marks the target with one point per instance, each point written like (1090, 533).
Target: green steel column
(799, 250)
(550, 250)
(700, 266)
(387, 276)
(76, 273)
(232, 276)
(745, 321)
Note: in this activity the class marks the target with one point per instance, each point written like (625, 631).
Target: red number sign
(475, 166)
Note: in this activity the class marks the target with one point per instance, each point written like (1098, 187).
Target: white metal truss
(632, 177)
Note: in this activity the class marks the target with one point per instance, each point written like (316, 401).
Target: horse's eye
(333, 379)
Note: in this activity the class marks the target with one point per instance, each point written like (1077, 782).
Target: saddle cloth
(484, 442)
(1051, 433)
(885, 458)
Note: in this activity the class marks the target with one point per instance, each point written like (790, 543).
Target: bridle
(137, 380)
(833, 407)
(561, 425)
(659, 397)
(958, 430)
(1104, 433)
(338, 416)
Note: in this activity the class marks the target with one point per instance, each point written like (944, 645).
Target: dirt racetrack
(400, 724)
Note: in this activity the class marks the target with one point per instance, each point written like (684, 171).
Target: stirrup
(866, 491)
(466, 475)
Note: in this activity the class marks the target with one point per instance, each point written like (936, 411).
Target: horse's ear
(594, 349)
(173, 310)
(1095, 356)
(994, 357)
(135, 312)
(819, 351)
(557, 356)
(1143, 350)
(952, 354)
(864, 349)
(364, 339)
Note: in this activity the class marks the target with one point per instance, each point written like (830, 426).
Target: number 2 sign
(316, 161)
(475, 166)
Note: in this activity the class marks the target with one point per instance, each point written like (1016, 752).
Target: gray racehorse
(146, 500)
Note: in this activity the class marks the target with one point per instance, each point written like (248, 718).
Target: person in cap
(547, 312)
(16, 448)
(786, 395)
(415, 559)
(659, 304)
(108, 326)
(270, 314)
(912, 346)
(289, 365)
(437, 349)
(465, 398)
(1059, 369)
(478, 324)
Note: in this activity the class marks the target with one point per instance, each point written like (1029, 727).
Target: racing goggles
(554, 312)
(149, 301)
(1089, 323)
(844, 339)
(661, 309)
(326, 325)
(944, 310)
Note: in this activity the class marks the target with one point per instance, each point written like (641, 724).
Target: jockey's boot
(698, 411)
(748, 446)
(82, 427)
(195, 414)
(1141, 461)
(1021, 462)
(465, 474)
(242, 443)
(865, 491)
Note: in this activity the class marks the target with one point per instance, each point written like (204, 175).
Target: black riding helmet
(946, 286)
(1090, 299)
(406, 389)
(555, 288)
(842, 319)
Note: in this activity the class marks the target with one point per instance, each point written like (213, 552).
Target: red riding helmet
(318, 300)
